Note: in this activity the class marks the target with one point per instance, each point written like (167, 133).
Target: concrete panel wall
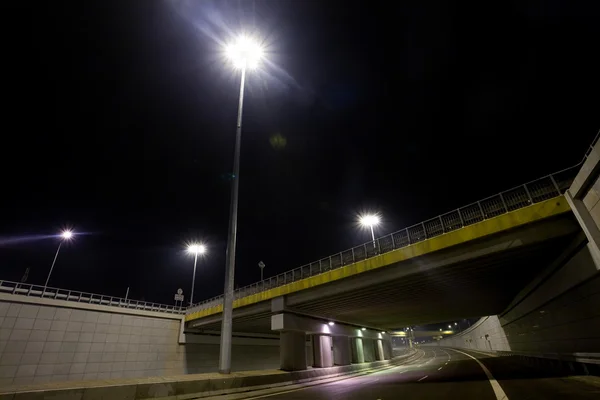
(486, 334)
(561, 316)
(42, 343)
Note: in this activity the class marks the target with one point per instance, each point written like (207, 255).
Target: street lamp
(65, 235)
(195, 249)
(369, 221)
(244, 53)
(261, 265)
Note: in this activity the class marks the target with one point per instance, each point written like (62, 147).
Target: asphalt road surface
(449, 374)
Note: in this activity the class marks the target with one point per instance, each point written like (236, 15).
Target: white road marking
(422, 378)
(500, 395)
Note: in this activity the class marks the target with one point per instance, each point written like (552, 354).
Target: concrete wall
(201, 354)
(42, 343)
(558, 313)
(592, 201)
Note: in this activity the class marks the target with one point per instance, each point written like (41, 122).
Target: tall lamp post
(370, 221)
(195, 249)
(65, 235)
(244, 54)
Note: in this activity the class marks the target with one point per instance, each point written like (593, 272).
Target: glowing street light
(244, 53)
(195, 249)
(64, 235)
(370, 221)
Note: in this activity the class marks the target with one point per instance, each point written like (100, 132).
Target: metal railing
(82, 297)
(541, 189)
(591, 147)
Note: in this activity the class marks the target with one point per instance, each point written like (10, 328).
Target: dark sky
(119, 120)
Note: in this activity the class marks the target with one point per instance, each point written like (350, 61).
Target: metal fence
(541, 189)
(82, 297)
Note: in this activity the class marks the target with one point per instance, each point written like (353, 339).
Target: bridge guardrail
(541, 189)
(83, 297)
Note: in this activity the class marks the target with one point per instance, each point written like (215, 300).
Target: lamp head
(196, 248)
(369, 220)
(244, 52)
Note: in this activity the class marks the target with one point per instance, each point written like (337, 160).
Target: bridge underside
(469, 280)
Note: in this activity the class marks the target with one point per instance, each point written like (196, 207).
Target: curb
(254, 391)
(189, 386)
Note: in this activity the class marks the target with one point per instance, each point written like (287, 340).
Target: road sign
(261, 264)
(180, 291)
(178, 297)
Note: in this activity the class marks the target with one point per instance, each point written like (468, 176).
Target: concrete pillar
(358, 354)
(341, 350)
(379, 350)
(322, 354)
(292, 351)
(387, 350)
(369, 349)
(588, 225)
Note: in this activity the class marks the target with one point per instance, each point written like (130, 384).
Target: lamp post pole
(226, 327)
(193, 279)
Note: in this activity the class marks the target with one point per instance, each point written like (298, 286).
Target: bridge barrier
(28, 290)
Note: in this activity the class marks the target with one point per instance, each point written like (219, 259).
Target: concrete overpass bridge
(528, 257)
(469, 262)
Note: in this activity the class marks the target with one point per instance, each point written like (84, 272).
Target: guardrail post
(462, 222)
(528, 194)
(424, 229)
(555, 185)
(442, 225)
(407, 235)
(393, 242)
(29, 291)
(481, 210)
(503, 202)
(353, 258)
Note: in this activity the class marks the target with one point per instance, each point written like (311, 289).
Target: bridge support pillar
(292, 351)
(387, 350)
(341, 350)
(358, 354)
(369, 349)
(322, 351)
(379, 356)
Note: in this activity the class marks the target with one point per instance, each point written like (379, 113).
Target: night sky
(119, 121)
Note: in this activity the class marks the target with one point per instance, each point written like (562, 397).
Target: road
(449, 374)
